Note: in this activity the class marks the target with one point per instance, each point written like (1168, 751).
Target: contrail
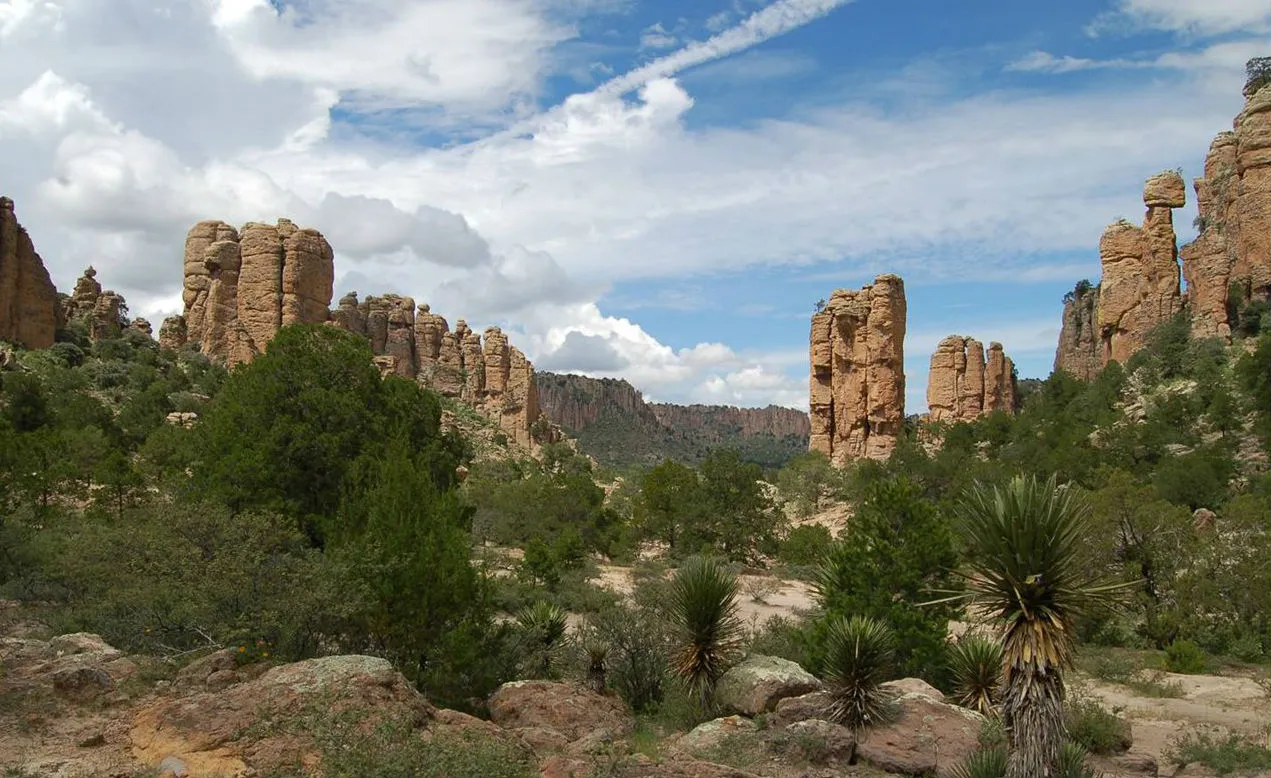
(777, 19)
(767, 23)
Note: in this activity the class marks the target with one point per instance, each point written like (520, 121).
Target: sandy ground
(775, 597)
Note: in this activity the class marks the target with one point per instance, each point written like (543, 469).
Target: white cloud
(656, 36)
(1044, 62)
(1192, 17)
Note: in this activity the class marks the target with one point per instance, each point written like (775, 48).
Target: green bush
(1184, 656)
(805, 545)
(1095, 728)
(1222, 755)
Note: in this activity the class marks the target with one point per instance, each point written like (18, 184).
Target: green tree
(671, 503)
(896, 551)
(740, 517)
(704, 604)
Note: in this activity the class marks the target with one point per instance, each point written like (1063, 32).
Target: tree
(671, 502)
(887, 562)
(1027, 570)
(740, 517)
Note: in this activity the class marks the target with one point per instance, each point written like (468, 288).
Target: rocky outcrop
(1140, 284)
(103, 313)
(962, 386)
(857, 387)
(486, 372)
(718, 422)
(1231, 257)
(173, 333)
(756, 684)
(29, 310)
(240, 288)
(1079, 351)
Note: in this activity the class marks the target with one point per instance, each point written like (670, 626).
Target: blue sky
(652, 190)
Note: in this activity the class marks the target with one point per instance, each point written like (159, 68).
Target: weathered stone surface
(206, 729)
(712, 735)
(172, 333)
(756, 684)
(1080, 351)
(815, 705)
(857, 385)
(29, 309)
(240, 288)
(961, 387)
(567, 708)
(999, 381)
(926, 736)
(1165, 190)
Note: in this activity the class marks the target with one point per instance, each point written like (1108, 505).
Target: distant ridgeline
(613, 423)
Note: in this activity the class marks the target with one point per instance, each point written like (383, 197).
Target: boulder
(756, 684)
(815, 705)
(823, 741)
(566, 708)
(713, 734)
(926, 735)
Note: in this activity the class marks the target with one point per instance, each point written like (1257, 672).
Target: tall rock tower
(857, 386)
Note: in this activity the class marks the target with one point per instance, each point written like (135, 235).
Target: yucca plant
(975, 662)
(704, 607)
(983, 763)
(597, 656)
(1072, 762)
(859, 655)
(543, 627)
(1026, 570)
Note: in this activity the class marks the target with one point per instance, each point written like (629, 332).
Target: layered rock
(29, 311)
(487, 373)
(1232, 253)
(103, 312)
(962, 386)
(716, 422)
(240, 288)
(857, 386)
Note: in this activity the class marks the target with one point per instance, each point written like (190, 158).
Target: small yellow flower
(242, 649)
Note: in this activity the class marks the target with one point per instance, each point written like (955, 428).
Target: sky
(656, 190)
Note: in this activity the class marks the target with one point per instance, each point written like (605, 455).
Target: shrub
(1095, 728)
(1221, 755)
(976, 665)
(1184, 656)
(637, 643)
(805, 545)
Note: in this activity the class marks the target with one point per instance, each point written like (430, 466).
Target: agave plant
(859, 656)
(704, 606)
(1026, 571)
(597, 656)
(543, 628)
(976, 664)
(983, 763)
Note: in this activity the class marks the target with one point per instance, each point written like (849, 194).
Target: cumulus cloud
(584, 354)
(655, 36)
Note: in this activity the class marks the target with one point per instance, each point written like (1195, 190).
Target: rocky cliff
(613, 423)
(240, 288)
(29, 310)
(1227, 266)
(102, 312)
(486, 372)
(962, 385)
(857, 386)
(1229, 263)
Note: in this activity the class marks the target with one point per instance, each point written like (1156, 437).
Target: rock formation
(172, 333)
(487, 373)
(102, 312)
(962, 386)
(29, 311)
(857, 387)
(1233, 249)
(241, 288)
(1079, 346)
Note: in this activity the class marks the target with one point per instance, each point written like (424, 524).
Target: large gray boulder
(759, 682)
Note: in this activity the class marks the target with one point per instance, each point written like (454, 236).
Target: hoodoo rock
(29, 309)
(1230, 260)
(240, 288)
(857, 386)
(485, 372)
(102, 312)
(1079, 350)
(962, 386)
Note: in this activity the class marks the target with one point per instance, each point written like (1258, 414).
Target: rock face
(241, 288)
(29, 310)
(715, 421)
(857, 387)
(564, 708)
(102, 311)
(1233, 249)
(962, 386)
(486, 372)
(1079, 350)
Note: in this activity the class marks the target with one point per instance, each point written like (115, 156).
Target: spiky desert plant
(543, 627)
(704, 607)
(1072, 762)
(597, 672)
(975, 662)
(1026, 570)
(859, 655)
(983, 763)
